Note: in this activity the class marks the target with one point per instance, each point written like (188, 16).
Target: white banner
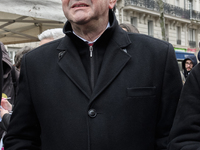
(46, 9)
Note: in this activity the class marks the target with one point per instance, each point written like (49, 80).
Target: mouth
(79, 5)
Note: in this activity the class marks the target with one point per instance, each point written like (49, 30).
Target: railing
(179, 42)
(192, 44)
(168, 8)
(195, 15)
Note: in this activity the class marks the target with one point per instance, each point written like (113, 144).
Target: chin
(80, 21)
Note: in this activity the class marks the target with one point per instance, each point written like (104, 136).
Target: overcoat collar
(115, 59)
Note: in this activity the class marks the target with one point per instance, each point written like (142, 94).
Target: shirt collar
(90, 41)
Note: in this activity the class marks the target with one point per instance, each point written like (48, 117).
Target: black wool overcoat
(131, 107)
(185, 133)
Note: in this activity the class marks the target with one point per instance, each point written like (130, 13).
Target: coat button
(92, 113)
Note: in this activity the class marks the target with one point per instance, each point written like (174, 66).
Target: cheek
(102, 8)
(65, 6)
(65, 1)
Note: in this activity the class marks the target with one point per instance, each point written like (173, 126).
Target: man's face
(188, 65)
(83, 11)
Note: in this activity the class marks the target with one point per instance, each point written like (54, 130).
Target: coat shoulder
(44, 49)
(147, 40)
(149, 45)
(196, 71)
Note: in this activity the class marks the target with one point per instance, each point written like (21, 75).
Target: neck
(90, 31)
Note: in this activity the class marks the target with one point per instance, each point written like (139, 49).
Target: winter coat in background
(10, 77)
(8, 90)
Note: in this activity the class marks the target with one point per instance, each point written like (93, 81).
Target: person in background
(198, 55)
(97, 88)
(187, 64)
(20, 54)
(50, 35)
(5, 113)
(9, 82)
(1, 79)
(129, 27)
(185, 133)
(1, 71)
(6, 109)
(9, 76)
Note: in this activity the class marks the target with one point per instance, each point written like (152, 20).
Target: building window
(150, 28)
(134, 21)
(190, 4)
(192, 38)
(177, 3)
(190, 7)
(199, 4)
(192, 34)
(178, 35)
(167, 32)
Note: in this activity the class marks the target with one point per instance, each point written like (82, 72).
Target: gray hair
(51, 34)
(20, 54)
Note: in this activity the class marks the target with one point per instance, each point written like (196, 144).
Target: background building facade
(182, 20)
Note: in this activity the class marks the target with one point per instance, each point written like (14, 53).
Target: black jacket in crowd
(10, 77)
(185, 133)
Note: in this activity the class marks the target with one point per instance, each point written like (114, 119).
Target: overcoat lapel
(71, 64)
(115, 59)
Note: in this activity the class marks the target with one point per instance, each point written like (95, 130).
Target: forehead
(188, 60)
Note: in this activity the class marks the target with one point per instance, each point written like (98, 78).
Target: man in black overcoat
(98, 88)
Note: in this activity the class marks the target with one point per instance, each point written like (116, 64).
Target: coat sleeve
(185, 133)
(24, 130)
(170, 94)
(5, 121)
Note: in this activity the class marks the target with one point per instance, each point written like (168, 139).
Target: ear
(112, 4)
